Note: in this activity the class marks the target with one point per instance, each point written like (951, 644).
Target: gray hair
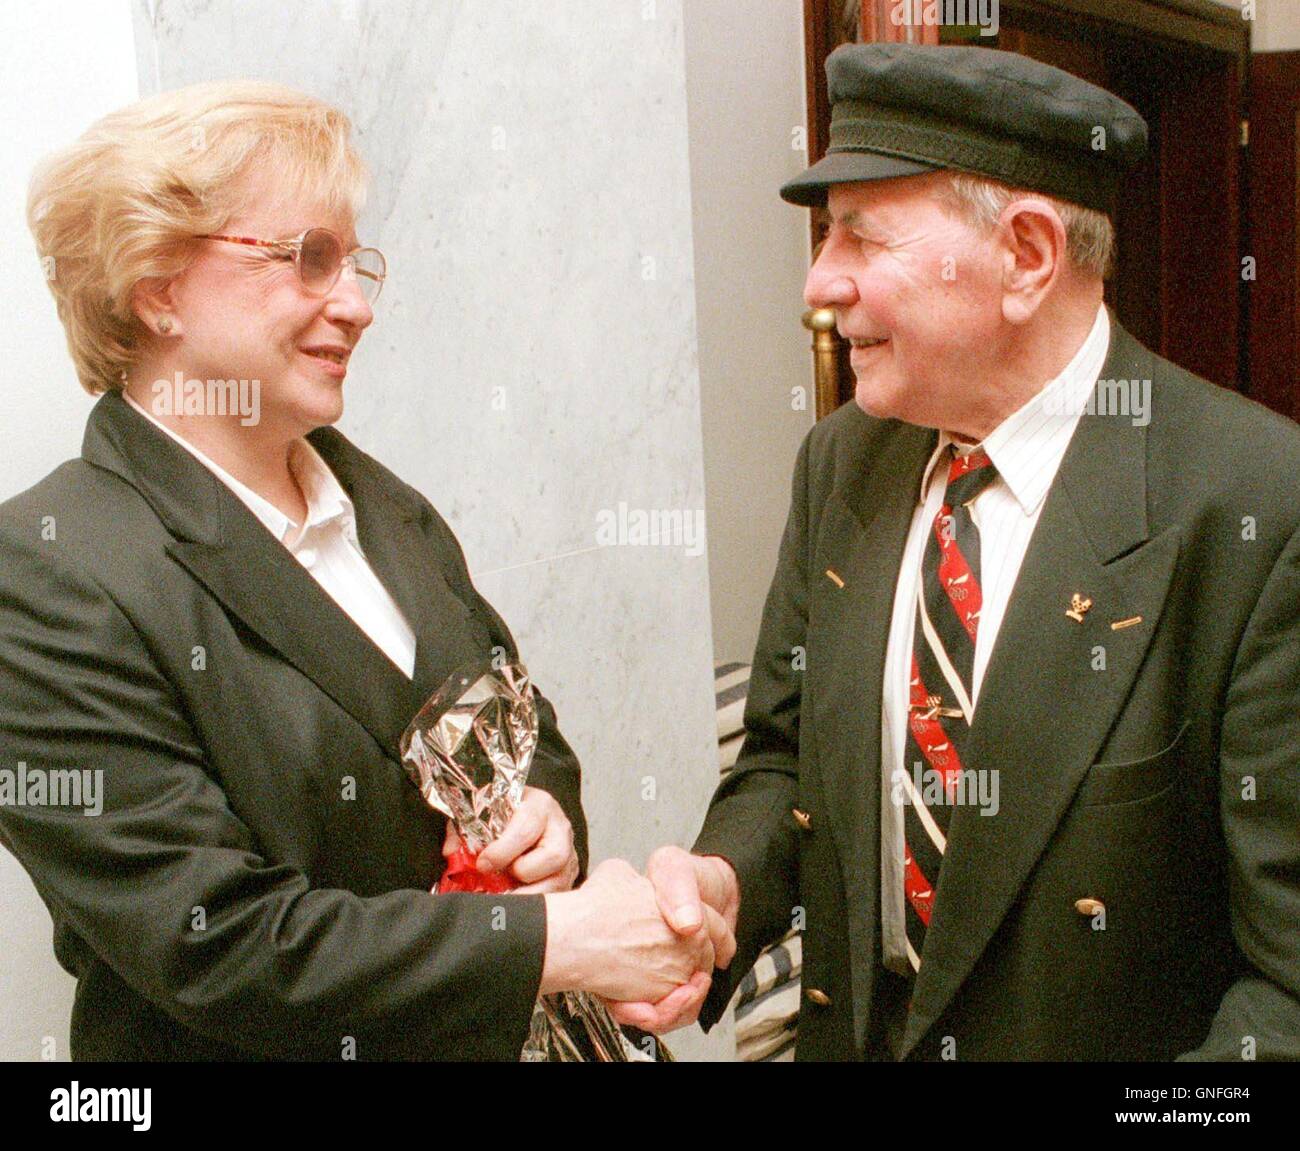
(1089, 234)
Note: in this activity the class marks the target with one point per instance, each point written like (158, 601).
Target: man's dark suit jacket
(1166, 785)
(247, 732)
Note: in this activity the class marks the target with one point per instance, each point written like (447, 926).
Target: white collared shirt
(326, 545)
(1027, 449)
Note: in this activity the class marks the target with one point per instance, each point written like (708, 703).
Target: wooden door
(1273, 221)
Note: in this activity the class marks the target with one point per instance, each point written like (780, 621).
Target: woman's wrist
(562, 969)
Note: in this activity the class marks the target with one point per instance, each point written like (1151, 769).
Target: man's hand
(536, 847)
(696, 895)
(609, 938)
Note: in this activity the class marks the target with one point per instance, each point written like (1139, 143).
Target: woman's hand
(695, 893)
(536, 847)
(609, 938)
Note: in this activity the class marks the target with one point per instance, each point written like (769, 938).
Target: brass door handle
(826, 372)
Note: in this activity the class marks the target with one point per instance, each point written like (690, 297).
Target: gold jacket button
(1089, 907)
(817, 996)
(803, 819)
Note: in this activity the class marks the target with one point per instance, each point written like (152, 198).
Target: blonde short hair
(125, 201)
(1089, 234)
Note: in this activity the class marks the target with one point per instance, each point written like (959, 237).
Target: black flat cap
(904, 109)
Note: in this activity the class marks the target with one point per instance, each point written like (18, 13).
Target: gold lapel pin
(1119, 624)
(1079, 606)
(834, 577)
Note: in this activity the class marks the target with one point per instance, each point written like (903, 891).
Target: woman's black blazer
(257, 882)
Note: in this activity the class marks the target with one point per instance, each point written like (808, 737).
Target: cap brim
(809, 188)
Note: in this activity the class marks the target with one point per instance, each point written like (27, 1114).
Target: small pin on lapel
(1123, 623)
(834, 577)
(1079, 606)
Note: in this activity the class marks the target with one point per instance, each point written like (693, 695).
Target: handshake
(646, 944)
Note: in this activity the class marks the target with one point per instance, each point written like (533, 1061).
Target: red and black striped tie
(939, 705)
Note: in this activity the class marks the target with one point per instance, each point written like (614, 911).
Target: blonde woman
(217, 622)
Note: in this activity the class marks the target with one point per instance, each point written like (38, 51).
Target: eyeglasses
(319, 256)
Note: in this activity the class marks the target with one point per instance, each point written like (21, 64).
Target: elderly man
(1024, 724)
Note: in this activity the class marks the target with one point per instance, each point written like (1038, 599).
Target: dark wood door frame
(1176, 22)
(1273, 209)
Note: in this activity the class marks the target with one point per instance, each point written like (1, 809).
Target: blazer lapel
(389, 527)
(257, 580)
(863, 533)
(1043, 710)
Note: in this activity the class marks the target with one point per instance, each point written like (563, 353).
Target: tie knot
(968, 475)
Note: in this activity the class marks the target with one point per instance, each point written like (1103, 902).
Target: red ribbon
(462, 874)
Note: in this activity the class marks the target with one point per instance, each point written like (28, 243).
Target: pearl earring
(164, 325)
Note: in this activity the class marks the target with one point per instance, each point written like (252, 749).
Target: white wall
(1277, 26)
(66, 64)
(745, 95)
